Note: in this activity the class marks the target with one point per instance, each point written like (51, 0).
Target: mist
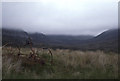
(66, 17)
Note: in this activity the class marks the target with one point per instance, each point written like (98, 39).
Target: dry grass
(0, 63)
(67, 64)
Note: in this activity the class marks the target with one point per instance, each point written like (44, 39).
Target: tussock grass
(67, 64)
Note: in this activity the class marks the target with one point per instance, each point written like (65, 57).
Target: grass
(67, 64)
(0, 63)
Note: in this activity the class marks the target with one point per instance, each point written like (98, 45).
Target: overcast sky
(70, 17)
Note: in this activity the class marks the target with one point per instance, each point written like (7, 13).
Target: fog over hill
(107, 41)
(73, 24)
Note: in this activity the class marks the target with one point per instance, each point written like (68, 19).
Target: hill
(107, 41)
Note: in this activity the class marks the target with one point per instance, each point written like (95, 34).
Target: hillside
(19, 36)
(13, 37)
(107, 40)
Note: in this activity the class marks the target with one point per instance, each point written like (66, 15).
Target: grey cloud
(74, 18)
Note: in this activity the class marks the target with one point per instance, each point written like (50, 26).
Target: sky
(61, 17)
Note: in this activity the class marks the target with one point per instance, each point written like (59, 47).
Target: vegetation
(67, 64)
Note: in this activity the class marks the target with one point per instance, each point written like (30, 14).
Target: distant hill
(19, 37)
(13, 37)
(107, 41)
(67, 40)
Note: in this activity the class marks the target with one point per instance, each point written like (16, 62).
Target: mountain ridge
(107, 40)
